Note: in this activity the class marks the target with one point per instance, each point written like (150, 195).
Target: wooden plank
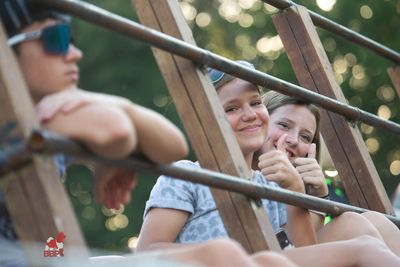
(35, 196)
(210, 133)
(394, 74)
(344, 141)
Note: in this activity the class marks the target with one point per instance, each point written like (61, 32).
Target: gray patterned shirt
(204, 222)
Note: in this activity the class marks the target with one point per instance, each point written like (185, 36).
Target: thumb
(312, 151)
(268, 146)
(281, 144)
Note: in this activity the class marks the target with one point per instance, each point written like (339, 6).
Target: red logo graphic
(54, 246)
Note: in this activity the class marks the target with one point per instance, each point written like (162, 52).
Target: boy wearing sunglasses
(110, 126)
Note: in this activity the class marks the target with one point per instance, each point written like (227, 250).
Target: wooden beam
(344, 141)
(35, 197)
(394, 74)
(205, 123)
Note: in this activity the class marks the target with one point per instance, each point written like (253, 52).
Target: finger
(311, 179)
(73, 105)
(307, 168)
(304, 161)
(281, 144)
(312, 151)
(270, 170)
(269, 145)
(46, 112)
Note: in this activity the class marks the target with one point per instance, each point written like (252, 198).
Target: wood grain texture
(209, 132)
(35, 196)
(344, 141)
(394, 74)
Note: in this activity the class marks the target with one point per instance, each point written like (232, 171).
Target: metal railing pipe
(173, 45)
(343, 32)
(51, 143)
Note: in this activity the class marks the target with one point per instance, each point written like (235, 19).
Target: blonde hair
(273, 100)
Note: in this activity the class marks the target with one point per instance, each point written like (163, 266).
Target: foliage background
(238, 29)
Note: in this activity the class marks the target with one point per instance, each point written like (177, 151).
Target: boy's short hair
(18, 14)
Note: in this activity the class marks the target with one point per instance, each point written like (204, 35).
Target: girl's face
(298, 123)
(246, 113)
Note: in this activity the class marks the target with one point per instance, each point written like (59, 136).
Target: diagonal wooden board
(34, 194)
(394, 74)
(344, 141)
(208, 130)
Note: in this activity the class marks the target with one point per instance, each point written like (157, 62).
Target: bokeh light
(395, 167)
(372, 145)
(203, 19)
(270, 9)
(331, 173)
(326, 5)
(366, 129)
(366, 12)
(384, 112)
(230, 10)
(245, 20)
(247, 4)
(385, 93)
(132, 242)
(189, 11)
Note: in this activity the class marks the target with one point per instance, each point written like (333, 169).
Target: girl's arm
(314, 181)
(161, 228)
(275, 165)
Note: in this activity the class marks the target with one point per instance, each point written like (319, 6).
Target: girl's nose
(292, 138)
(249, 113)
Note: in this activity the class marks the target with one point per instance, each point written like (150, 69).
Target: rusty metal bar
(51, 143)
(343, 32)
(203, 57)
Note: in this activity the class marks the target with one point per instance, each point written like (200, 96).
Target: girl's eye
(231, 109)
(283, 125)
(256, 103)
(306, 138)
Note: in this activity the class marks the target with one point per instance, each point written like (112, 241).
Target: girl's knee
(225, 252)
(375, 217)
(350, 224)
(272, 259)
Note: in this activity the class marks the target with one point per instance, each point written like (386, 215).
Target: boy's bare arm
(158, 139)
(106, 130)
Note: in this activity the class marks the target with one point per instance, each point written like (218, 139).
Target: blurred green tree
(237, 29)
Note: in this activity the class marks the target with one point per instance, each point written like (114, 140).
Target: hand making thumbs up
(311, 173)
(276, 166)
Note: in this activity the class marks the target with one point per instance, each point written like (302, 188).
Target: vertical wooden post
(394, 74)
(35, 197)
(210, 133)
(344, 141)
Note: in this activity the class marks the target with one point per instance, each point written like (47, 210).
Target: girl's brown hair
(273, 100)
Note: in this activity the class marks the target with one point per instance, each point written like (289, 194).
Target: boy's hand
(65, 101)
(276, 166)
(311, 173)
(113, 186)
